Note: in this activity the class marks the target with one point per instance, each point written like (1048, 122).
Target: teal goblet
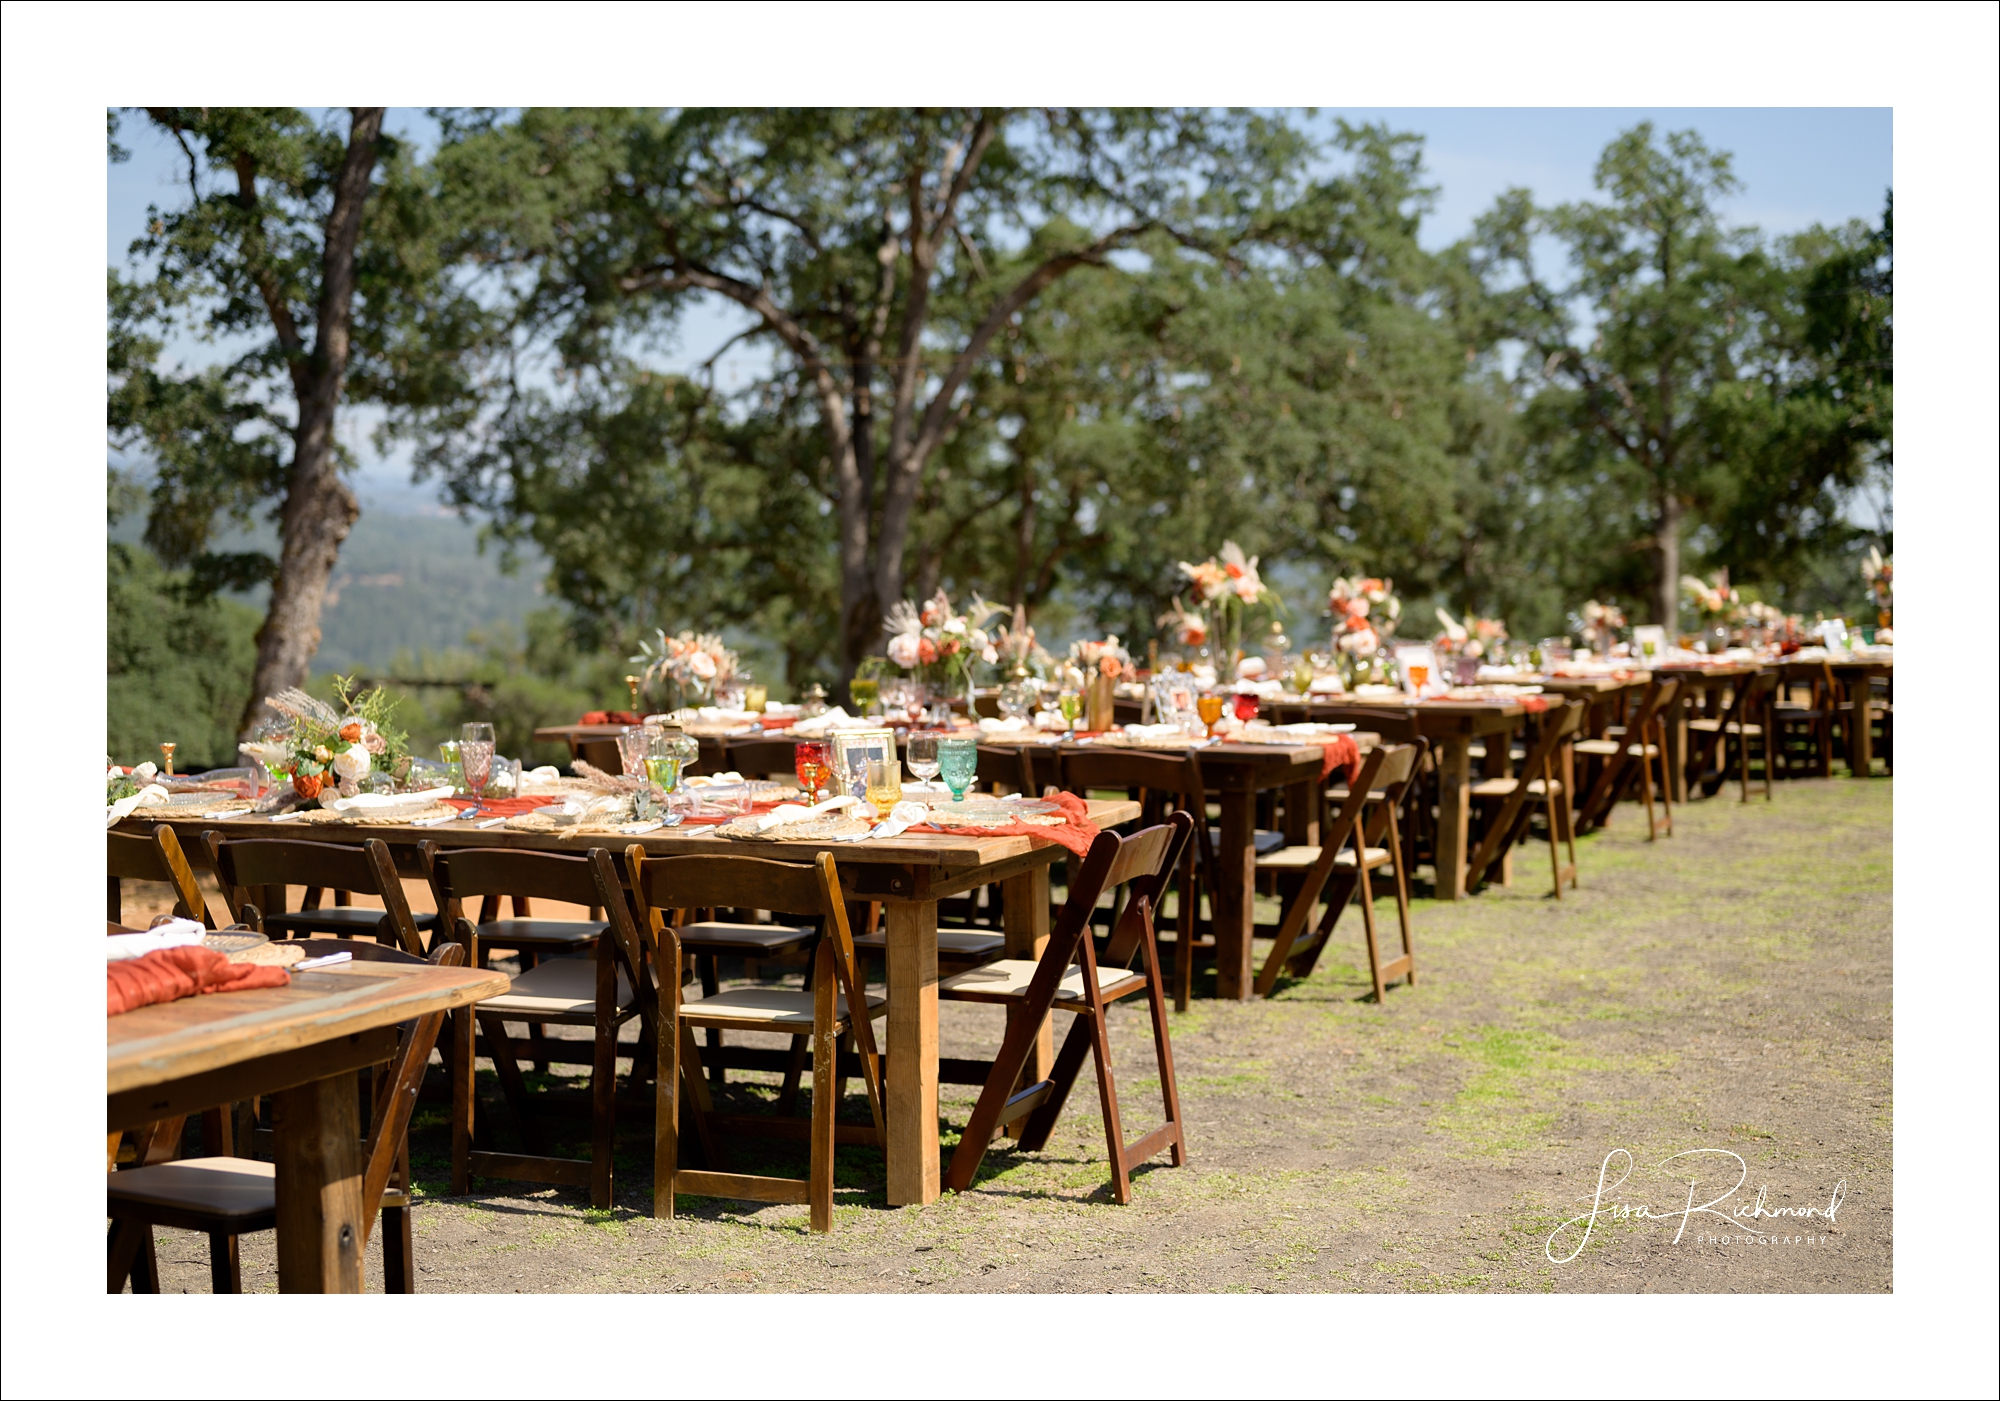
(958, 764)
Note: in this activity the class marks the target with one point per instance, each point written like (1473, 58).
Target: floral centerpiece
(1018, 653)
(1598, 624)
(1881, 576)
(696, 665)
(1188, 626)
(1365, 613)
(322, 748)
(1475, 637)
(1719, 606)
(941, 646)
(1229, 584)
(1101, 664)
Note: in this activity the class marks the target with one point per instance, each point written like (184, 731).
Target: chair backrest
(760, 758)
(473, 872)
(1395, 726)
(586, 878)
(1399, 765)
(1177, 772)
(1557, 725)
(600, 754)
(725, 880)
(1011, 764)
(395, 1091)
(241, 866)
(1660, 693)
(157, 857)
(1146, 861)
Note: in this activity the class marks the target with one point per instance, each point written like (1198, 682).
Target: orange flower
(306, 785)
(1110, 666)
(351, 731)
(927, 651)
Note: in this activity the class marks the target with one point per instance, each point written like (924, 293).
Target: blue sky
(1798, 166)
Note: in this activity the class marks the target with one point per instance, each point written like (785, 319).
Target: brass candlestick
(167, 754)
(632, 684)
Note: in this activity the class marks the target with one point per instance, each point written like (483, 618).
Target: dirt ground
(1723, 996)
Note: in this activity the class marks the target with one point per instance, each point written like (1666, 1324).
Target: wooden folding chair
(157, 857)
(1641, 743)
(1509, 797)
(1747, 718)
(601, 991)
(827, 1010)
(1166, 781)
(228, 1197)
(254, 873)
(1068, 978)
(1815, 718)
(1348, 856)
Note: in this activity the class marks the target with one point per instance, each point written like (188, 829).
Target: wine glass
(884, 785)
(1245, 706)
(1419, 674)
(1209, 708)
(809, 761)
(864, 692)
(958, 761)
(1070, 703)
(923, 756)
(632, 748)
(475, 751)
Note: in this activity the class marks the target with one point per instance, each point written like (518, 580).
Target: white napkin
(1050, 720)
(785, 813)
(151, 794)
(1012, 725)
(1154, 732)
(901, 818)
(174, 934)
(780, 708)
(1324, 686)
(365, 801)
(834, 719)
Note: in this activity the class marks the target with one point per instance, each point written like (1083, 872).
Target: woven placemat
(328, 817)
(945, 817)
(818, 829)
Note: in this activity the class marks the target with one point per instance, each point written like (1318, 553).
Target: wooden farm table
(908, 875)
(304, 1044)
(1700, 697)
(1855, 675)
(1451, 727)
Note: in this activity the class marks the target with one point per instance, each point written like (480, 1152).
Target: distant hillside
(404, 582)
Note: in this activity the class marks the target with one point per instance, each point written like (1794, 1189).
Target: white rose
(1358, 608)
(990, 655)
(903, 649)
(702, 665)
(143, 775)
(351, 765)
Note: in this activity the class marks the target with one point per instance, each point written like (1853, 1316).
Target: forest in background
(1039, 356)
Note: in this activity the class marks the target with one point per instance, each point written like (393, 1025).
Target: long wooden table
(304, 1044)
(1238, 773)
(909, 875)
(1451, 727)
(1855, 675)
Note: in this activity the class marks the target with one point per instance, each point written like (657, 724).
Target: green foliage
(178, 666)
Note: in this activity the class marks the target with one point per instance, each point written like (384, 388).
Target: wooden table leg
(912, 1106)
(1025, 911)
(1236, 858)
(317, 1148)
(1861, 729)
(1454, 769)
(1302, 804)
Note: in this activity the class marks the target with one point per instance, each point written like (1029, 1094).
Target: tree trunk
(1667, 555)
(319, 508)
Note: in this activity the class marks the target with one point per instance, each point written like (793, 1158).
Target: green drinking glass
(958, 765)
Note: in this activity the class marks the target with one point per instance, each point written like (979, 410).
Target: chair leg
(129, 1255)
(507, 1066)
(826, 1057)
(1646, 787)
(1555, 837)
(1163, 1050)
(1666, 788)
(1062, 1076)
(399, 1255)
(1364, 890)
(1186, 917)
(225, 1270)
(1403, 897)
(712, 1039)
(603, 1110)
(463, 1101)
(1107, 1097)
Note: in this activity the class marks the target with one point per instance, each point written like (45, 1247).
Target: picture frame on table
(849, 752)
